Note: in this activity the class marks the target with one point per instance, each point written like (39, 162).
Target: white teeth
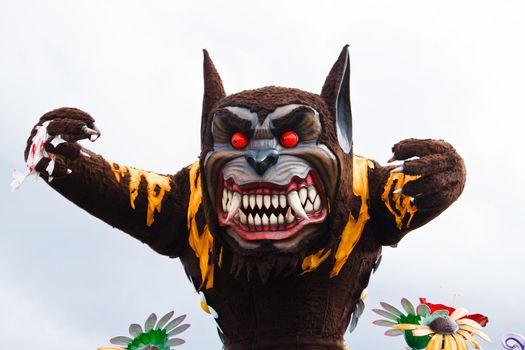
(282, 201)
(298, 203)
(234, 205)
(224, 201)
(289, 217)
(243, 217)
(309, 207)
(273, 219)
(317, 203)
(259, 200)
(303, 193)
(265, 220)
(311, 193)
(275, 201)
(267, 201)
(295, 202)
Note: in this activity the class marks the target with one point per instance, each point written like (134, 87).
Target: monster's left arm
(403, 198)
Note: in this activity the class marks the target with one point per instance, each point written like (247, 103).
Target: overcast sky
(452, 70)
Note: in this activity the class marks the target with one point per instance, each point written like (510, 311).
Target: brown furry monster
(279, 224)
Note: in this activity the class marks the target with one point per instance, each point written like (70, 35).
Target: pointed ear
(213, 89)
(336, 93)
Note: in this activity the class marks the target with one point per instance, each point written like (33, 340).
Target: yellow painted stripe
(354, 228)
(201, 243)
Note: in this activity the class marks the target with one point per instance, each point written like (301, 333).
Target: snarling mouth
(266, 211)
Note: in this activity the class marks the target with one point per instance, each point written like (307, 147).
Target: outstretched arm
(406, 197)
(146, 205)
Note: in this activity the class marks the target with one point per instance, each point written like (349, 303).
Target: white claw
(89, 131)
(235, 204)
(399, 169)
(398, 191)
(69, 171)
(295, 202)
(82, 153)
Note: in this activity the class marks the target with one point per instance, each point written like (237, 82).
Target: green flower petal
(150, 322)
(174, 323)
(120, 340)
(175, 342)
(407, 305)
(394, 332)
(179, 330)
(386, 314)
(135, 330)
(391, 309)
(423, 310)
(165, 319)
(384, 323)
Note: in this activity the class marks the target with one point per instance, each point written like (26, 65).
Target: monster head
(277, 163)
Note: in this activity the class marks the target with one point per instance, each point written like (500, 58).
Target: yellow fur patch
(153, 181)
(201, 243)
(354, 228)
(402, 203)
(311, 262)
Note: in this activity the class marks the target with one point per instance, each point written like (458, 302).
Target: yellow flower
(448, 332)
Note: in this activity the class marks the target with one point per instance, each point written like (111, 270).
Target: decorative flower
(154, 336)
(479, 318)
(447, 332)
(433, 326)
(395, 317)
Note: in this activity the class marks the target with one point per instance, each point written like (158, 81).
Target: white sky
(449, 69)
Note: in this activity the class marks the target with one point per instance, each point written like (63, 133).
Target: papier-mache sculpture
(279, 225)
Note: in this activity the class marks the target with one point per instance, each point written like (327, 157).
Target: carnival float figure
(278, 225)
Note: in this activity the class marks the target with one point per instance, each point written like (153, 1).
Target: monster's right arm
(146, 205)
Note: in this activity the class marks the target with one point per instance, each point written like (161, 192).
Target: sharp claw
(82, 153)
(412, 200)
(93, 138)
(69, 171)
(393, 159)
(93, 133)
(89, 131)
(398, 191)
(399, 169)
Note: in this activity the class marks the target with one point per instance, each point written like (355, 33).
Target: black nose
(262, 160)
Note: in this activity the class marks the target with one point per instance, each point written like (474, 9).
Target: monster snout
(262, 160)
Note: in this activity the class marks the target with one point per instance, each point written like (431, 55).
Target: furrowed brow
(225, 123)
(303, 120)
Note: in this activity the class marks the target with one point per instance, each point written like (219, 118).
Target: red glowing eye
(289, 139)
(239, 140)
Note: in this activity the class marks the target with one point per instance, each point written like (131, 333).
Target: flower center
(444, 325)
